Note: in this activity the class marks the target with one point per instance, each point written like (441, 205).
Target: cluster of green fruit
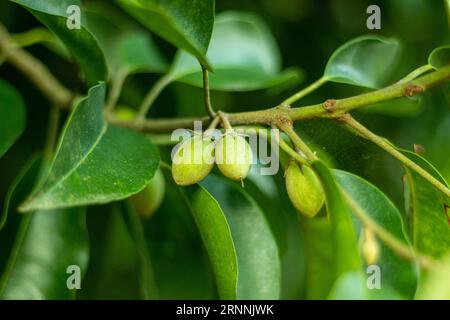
(196, 156)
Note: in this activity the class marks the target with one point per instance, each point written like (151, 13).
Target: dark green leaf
(21, 185)
(94, 162)
(216, 235)
(427, 210)
(258, 261)
(46, 244)
(440, 57)
(397, 273)
(146, 277)
(365, 61)
(346, 255)
(342, 229)
(180, 261)
(138, 53)
(186, 26)
(127, 48)
(242, 52)
(319, 257)
(80, 42)
(12, 116)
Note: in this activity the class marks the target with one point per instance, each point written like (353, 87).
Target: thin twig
(207, 94)
(402, 249)
(296, 140)
(35, 71)
(116, 87)
(52, 132)
(304, 92)
(416, 73)
(151, 96)
(382, 143)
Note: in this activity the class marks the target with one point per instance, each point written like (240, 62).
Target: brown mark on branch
(330, 105)
(412, 90)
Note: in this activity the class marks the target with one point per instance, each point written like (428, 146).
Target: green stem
(151, 96)
(225, 122)
(116, 87)
(297, 141)
(33, 36)
(207, 94)
(402, 249)
(328, 109)
(304, 92)
(382, 143)
(416, 73)
(52, 133)
(286, 148)
(35, 70)
(214, 123)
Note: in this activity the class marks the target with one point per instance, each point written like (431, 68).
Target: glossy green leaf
(346, 255)
(114, 264)
(397, 274)
(138, 53)
(242, 52)
(12, 116)
(319, 257)
(127, 48)
(258, 261)
(427, 210)
(20, 187)
(365, 61)
(47, 243)
(186, 26)
(440, 57)
(283, 220)
(146, 277)
(95, 162)
(81, 43)
(217, 238)
(180, 261)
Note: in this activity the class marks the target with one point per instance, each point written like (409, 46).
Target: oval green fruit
(233, 156)
(193, 161)
(370, 248)
(304, 189)
(147, 201)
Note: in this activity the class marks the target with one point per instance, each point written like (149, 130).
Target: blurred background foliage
(307, 32)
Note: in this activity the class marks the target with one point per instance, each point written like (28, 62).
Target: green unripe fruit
(233, 156)
(304, 189)
(193, 161)
(370, 248)
(147, 201)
